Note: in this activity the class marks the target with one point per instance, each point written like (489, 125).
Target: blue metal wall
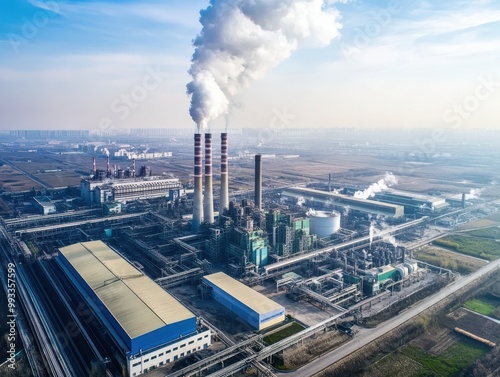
(243, 311)
(144, 342)
(163, 335)
(271, 315)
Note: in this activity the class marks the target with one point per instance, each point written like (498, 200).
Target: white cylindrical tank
(324, 223)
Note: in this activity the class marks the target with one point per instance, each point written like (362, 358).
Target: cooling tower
(208, 199)
(224, 190)
(198, 195)
(258, 181)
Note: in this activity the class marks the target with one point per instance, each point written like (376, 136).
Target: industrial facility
(150, 326)
(106, 186)
(163, 276)
(316, 197)
(254, 308)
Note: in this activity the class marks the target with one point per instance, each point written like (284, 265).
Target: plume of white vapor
(474, 193)
(388, 181)
(374, 231)
(241, 40)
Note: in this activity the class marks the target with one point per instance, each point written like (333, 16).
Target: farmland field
(483, 248)
(438, 256)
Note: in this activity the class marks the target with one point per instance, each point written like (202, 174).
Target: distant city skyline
(99, 65)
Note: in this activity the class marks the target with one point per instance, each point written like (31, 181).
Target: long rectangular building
(151, 326)
(127, 189)
(256, 309)
(356, 204)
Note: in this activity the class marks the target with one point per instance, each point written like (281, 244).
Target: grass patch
(455, 359)
(294, 328)
(480, 306)
(477, 247)
(447, 259)
(491, 233)
(396, 365)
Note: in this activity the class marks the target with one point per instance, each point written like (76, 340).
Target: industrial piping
(258, 181)
(224, 189)
(198, 195)
(208, 199)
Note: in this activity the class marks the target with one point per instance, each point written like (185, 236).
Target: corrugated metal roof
(138, 303)
(246, 295)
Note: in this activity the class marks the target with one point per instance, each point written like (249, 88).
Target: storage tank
(324, 223)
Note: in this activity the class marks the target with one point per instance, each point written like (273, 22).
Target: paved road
(370, 335)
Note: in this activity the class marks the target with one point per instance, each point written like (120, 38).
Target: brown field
(490, 220)
(14, 180)
(399, 365)
(474, 323)
(448, 259)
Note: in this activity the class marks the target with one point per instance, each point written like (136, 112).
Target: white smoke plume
(374, 231)
(474, 193)
(243, 39)
(388, 181)
(301, 201)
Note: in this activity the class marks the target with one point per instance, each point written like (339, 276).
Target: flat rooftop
(246, 295)
(365, 205)
(137, 303)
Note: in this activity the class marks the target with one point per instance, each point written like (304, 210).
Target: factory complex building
(334, 199)
(127, 189)
(150, 326)
(256, 309)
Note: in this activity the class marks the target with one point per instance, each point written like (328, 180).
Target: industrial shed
(143, 316)
(256, 309)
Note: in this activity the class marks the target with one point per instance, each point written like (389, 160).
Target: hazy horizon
(97, 65)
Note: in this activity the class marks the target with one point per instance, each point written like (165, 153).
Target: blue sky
(70, 64)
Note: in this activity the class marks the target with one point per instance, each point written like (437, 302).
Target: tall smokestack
(224, 191)
(94, 168)
(463, 200)
(198, 195)
(208, 199)
(258, 181)
(108, 169)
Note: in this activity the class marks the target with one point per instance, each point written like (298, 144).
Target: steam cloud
(474, 193)
(301, 201)
(386, 237)
(242, 39)
(388, 181)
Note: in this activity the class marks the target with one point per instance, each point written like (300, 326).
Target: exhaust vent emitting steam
(239, 42)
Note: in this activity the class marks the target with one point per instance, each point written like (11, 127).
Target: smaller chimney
(108, 169)
(258, 181)
(133, 167)
(94, 168)
(224, 190)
